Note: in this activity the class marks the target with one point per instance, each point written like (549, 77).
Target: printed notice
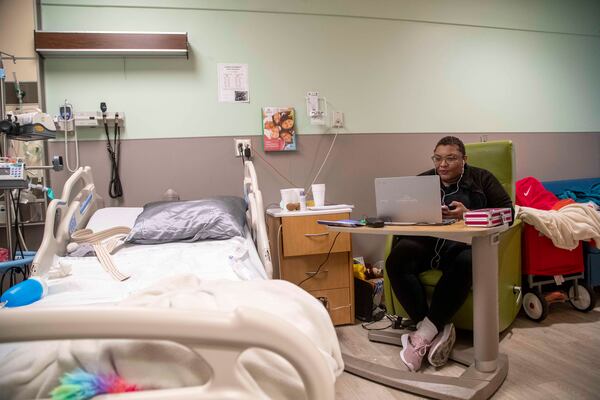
(233, 83)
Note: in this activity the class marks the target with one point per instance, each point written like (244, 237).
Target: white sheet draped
(566, 226)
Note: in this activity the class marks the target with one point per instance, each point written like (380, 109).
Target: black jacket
(483, 188)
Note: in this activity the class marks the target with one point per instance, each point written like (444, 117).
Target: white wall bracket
(316, 107)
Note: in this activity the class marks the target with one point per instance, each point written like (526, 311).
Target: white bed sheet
(234, 259)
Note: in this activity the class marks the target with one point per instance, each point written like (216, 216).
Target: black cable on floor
(367, 326)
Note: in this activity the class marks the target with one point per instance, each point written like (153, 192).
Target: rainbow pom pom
(80, 385)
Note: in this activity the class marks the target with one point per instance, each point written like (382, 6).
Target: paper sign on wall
(233, 83)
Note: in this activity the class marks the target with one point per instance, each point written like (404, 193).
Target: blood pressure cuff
(189, 221)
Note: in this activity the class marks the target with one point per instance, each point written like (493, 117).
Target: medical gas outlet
(244, 143)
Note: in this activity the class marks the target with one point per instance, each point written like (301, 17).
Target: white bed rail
(256, 217)
(218, 337)
(64, 216)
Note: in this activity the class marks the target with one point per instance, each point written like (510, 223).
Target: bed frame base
(471, 385)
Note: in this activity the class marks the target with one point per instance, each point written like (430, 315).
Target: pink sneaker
(441, 346)
(414, 348)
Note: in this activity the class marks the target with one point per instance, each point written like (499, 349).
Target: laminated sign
(279, 128)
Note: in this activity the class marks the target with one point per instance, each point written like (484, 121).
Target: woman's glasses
(452, 159)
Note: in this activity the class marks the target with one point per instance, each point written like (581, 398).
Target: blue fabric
(581, 196)
(557, 187)
(580, 190)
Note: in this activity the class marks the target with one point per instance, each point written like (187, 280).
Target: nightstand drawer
(335, 273)
(304, 236)
(339, 305)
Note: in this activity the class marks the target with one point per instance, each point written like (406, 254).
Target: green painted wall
(390, 66)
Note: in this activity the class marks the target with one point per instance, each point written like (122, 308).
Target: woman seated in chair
(463, 187)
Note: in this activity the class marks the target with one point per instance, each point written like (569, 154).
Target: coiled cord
(115, 189)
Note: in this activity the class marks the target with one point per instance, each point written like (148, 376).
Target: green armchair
(498, 158)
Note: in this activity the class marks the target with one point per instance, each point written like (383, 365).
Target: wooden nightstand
(299, 245)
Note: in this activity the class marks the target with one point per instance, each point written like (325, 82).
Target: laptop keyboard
(446, 221)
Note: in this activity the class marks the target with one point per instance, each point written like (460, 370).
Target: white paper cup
(318, 191)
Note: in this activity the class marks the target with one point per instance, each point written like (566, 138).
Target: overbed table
(487, 368)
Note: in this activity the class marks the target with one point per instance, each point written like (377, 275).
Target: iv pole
(7, 202)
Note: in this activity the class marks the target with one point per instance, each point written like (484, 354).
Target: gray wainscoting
(197, 167)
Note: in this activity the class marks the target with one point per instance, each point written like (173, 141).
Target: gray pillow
(220, 217)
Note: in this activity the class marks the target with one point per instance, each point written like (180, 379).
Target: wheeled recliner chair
(498, 158)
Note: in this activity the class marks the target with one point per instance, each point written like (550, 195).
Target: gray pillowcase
(218, 218)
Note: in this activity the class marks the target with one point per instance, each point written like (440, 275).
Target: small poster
(233, 83)
(279, 128)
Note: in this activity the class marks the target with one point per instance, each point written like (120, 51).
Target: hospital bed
(235, 334)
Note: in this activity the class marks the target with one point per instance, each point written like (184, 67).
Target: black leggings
(412, 255)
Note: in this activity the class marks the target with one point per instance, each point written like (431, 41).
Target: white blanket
(565, 227)
(232, 259)
(32, 370)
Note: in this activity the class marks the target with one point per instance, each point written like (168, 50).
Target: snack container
(488, 217)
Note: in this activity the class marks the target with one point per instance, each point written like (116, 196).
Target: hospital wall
(404, 73)
(392, 66)
(197, 167)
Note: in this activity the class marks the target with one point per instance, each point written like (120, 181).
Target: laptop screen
(409, 199)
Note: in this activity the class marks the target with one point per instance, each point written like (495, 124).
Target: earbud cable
(437, 256)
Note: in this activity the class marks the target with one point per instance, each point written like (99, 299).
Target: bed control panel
(12, 173)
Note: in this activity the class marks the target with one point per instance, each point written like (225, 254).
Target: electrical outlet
(244, 142)
(337, 120)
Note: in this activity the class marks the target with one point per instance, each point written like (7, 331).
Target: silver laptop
(409, 200)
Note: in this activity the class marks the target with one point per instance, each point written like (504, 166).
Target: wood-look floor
(558, 358)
